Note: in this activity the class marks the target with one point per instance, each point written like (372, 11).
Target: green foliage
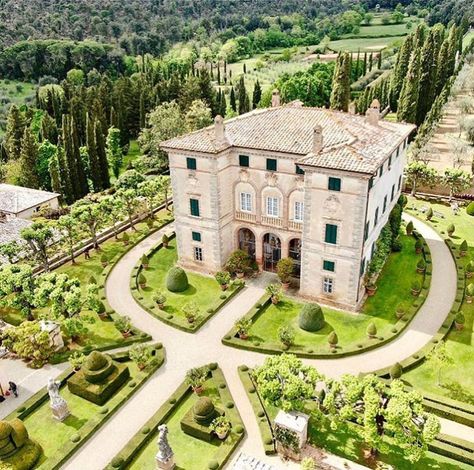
(123, 324)
(285, 269)
(470, 208)
(421, 265)
(440, 357)
(287, 438)
(311, 317)
(429, 213)
(371, 329)
(456, 180)
(419, 173)
(341, 91)
(333, 339)
(177, 280)
(470, 290)
(450, 229)
(144, 260)
(76, 359)
(470, 267)
(141, 354)
(142, 279)
(274, 290)
(191, 311)
(308, 463)
(196, 376)
(222, 278)
(286, 335)
(383, 248)
(238, 262)
(220, 425)
(114, 151)
(416, 286)
(409, 228)
(243, 325)
(463, 246)
(396, 371)
(159, 297)
(460, 319)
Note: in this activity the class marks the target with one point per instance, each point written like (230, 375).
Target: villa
(312, 184)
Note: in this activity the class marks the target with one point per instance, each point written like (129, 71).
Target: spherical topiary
(75, 438)
(177, 280)
(311, 317)
(213, 465)
(117, 462)
(470, 208)
(203, 410)
(396, 371)
(239, 429)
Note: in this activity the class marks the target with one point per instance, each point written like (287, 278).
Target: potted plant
(223, 279)
(238, 263)
(469, 293)
(165, 240)
(142, 281)
(469, 269)
(243, 326)
(141, 355)
(459, 321)
(451, 228)
(400, 312)
(221, 426)
(124, 325)
(286, 335)
(333, 340)
(126, 238)
(415, 288)
(421, 266)
(191, 311)
(463, 248)
(145, 262)
(274, 291)
(196, 377)
(370, 288)
(285, 270)
(418, 246)
(371, 330)
(100, 309)
(429, 214)
(160, 299)
(103, 260)
(76, 359)
(409, 228)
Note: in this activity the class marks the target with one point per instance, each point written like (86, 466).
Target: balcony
(245, 216)
(272, 221)
(295, 225)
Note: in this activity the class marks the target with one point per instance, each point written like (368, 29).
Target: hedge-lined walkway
(186, 350)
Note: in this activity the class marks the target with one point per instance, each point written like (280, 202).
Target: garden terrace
(204, 291)
(59, 440)
(394, 289)
(189, 453)
(345, 442)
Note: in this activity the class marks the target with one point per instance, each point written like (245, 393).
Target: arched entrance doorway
(247, 242)
(294, 252)
(271, 252)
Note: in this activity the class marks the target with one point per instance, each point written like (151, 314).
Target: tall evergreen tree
(14, 132)
(223, 105)
(65, 177)
(407, 107)
(233, 103)
(114, 151)
(49, 129)
(28, 158)
(208, 94)
(101, 155)
(341, 83)
(83, 185)
(94, 165)
(257, 94)
(244, 102)
(400, 71)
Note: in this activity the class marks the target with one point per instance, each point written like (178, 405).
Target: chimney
(373, 113)
(317, 139)
(219, 129)
(275, 98)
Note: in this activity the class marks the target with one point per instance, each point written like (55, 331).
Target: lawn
(363, 44)
(203, 290)
(467, 39)
(393, 289)
(455, 382)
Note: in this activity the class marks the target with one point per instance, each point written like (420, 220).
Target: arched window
(247, 242)
(271, 252)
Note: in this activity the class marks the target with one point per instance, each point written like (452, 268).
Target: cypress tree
(257, 94)
(371, 61)
(67, 189)
(400, 71)
(83, 185)
(14, 132)
(28, 160)
(341, 92)
(233, 103)
(379, 65)
(358, 71)
(101, 155)
(208, 94)
(453, 48)
(223, 105)
(94, 166)
(49, 130)
(364, 68)
(142, 111)
(244, 102)
(54, 174)
(407, 108)
(443, 66)
(218, 74)
(69, 158)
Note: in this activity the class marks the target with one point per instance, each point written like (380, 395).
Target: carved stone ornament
(271, 178)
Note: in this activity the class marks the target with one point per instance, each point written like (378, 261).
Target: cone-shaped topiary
(409, 228)
(429, 214)
(470, 208)
(311, 317)
(371, 330)
(145, 261)
(459, 318)
(142, 279)
(333, 339)
(396, 371)
(177, 280)
(463, 247)
(451, 228)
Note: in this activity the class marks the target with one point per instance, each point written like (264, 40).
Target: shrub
(333, 339)
(416, 286)
(76, 359)
(396, 371)
(429, 214)
(451, 228)
(92, 280)
(141, 355)
(397, 246)
(220, 425)
(402, 200)
(125, 237)
(470, 267)
(191, 311)
(274, 290)
(159, 297)
(470, 209)
(459, 318)
(165, 239)
(470, 290)
(308, 464)
(100, 307)
(421, 265)
(285, 269)
(286, 335)
(243, 325)
(142, 279)
(104, 259)
(239, 262)
(196, 376)
(418, 245)
(409, 228)
(371, 330)
(177, 280)
(464, 246)
(311, 317)
(222, 278)
(145, 260)
(123, 324)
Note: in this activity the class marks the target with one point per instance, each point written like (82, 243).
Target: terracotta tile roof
(15, 199)
(350, 142)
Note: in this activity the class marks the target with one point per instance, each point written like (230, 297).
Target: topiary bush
(470, 209)
(371, 330)
(451, 228)
(396, 371)
(177, 280)
(311, 317)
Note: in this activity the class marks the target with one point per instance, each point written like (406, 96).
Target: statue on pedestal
(57, 403)
(165, 456)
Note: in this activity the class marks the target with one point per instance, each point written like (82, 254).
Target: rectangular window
(371, 183)
(328, 285)
(334, 184)
(384, 204)
(272, 207)
(271, 164)
(299, 171)
(198, 253)
(398, 150)
(329, 265)
(399, 182)
(299, 209)
(194, 206)
(244, 160)
(331, 234)
(389, 162)
(393, 193)
(381, 170)
(245, 202)
(366, 230)
(362, 267)
(191, 163)
(196, 236)
(376, 220)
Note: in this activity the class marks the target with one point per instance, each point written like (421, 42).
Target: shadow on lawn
(75, 422)
(458, 392)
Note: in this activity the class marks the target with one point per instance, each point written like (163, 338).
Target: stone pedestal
(166, 465)
(60, 409)
(296, 423)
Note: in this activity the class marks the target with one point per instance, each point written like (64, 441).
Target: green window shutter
(362, 267)
(271, 164)
(381, 170)
(366, 230)
(384, 204)
(371, 183)
(194, 205)
(196, 236)
(334, 184)
(299, 171)
(191, 163)
(331, 234)
(244, 160)
(329, 265)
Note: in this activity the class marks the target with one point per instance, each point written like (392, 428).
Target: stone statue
(57, 403)
(165, 456)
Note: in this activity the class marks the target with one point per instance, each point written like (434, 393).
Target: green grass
(364, 44)
(133, 154)
(394, 288)
(467, 39)
(455, 382)
(202, 290)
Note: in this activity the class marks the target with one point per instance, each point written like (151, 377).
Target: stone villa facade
(312, 184)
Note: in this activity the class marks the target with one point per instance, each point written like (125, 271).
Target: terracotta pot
(224, 286)
(418, 250)
(399, 314)
(462, 253)
(459, 326)
(142, 286)
(285, 285)
(243, 335)
(420, 270)
(126, 334)
(371, 290)
(275, 300)
(190, 320)
(468, 299)
(468, 275)
(161, 306)
(240, 275)
(198, 390)
(141, 366)
(104, 265)
(145, 266)
(415, 292)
